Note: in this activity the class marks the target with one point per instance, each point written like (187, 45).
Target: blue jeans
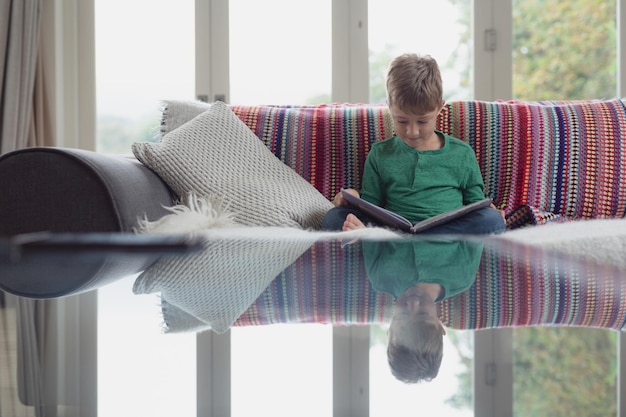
(480, 222)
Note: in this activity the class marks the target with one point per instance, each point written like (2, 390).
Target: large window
(282, 370)
(144, 54)
(280, 51)
(564, 372)
(564, 50)
(141, 370)
(397, 27)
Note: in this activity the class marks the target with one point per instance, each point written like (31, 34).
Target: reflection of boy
(419, 274)
(420, 172)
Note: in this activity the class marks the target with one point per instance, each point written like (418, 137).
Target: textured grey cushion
(216, 154)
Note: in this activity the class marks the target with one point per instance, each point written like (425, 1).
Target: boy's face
(416, 130)
(412, 309)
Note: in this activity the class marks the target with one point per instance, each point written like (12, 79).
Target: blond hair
(414, 84)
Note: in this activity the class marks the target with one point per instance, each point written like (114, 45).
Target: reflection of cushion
(210, 289)
(217, 285)
(216, 154)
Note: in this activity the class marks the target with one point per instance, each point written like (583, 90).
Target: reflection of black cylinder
(47, 277)
(46, 265)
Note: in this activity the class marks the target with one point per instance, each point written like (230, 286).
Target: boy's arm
(473, 193)
(371, 183)
(475, 190)
(368, 182)
(474, 187)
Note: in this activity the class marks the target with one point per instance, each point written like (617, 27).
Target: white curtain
(23, 113)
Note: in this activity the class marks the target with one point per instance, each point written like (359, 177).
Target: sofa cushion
(215, 154)
(175, 113)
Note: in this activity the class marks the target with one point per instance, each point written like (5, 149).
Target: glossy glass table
(268, 322)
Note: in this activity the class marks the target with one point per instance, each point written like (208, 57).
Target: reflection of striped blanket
(327, 284)
(542, 162)
(526, 286)
(515, 286)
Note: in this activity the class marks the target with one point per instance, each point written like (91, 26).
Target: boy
(420, 172)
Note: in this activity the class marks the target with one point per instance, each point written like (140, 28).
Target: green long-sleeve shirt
(393, 267)
(421, 184)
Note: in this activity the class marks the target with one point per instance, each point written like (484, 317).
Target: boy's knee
(334, 219)
(493, 221)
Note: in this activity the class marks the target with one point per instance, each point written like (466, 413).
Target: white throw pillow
(216, 154)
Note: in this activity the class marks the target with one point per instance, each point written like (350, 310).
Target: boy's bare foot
(352, 223)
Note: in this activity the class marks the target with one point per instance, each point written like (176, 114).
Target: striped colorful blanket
(541, 161)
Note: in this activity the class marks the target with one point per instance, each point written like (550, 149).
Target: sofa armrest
(71, 190)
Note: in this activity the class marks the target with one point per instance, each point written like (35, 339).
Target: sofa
(542, 162)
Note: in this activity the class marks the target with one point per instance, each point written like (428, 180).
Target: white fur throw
(600, 240)
(193, 215)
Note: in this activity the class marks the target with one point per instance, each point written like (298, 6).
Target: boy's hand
(340, 201)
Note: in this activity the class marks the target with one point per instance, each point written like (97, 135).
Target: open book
(394, 220)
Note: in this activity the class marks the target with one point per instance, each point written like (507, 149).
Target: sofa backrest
(326, 144)
(554, 160)
(562, 158)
